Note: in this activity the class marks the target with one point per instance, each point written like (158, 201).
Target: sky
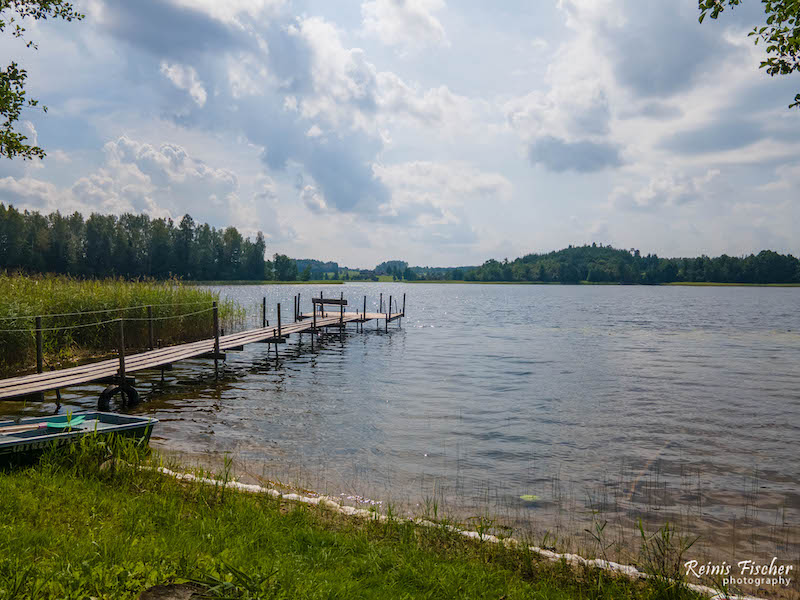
(440, 133)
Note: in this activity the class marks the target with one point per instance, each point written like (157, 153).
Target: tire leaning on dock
(131, 395)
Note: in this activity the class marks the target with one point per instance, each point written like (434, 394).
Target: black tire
(131, 395)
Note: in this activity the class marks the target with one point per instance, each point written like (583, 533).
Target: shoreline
(619, 545)
(672, 283)
(265, 282)
(161, 524)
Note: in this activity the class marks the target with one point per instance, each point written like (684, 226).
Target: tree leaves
(781, 34)
(12, 78)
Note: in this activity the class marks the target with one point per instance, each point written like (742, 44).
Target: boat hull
(23, 446)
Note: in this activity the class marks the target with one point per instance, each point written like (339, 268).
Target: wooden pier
(116, 371)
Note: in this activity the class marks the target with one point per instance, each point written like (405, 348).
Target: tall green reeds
(70, 335)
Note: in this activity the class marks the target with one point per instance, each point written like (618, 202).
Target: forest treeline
(136, 246)
(133, 246)
(604, 264)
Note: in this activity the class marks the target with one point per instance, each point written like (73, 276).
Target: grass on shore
(25, 296)
(80, 525)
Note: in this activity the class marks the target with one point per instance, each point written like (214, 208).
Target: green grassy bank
(97, 303)
(80, 526)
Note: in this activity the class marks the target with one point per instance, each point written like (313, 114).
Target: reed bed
(80, 317)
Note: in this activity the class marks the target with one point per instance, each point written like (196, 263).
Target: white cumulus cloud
(185, 78)
(407, 23)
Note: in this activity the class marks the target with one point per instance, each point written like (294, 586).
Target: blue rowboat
(24, 440)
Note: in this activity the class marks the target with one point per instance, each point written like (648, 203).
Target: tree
(232, 253)
(184, 246)
(99, 242)
(255, 266)
(285, 268)
(12, 78)
(781, 33)
(306, 274)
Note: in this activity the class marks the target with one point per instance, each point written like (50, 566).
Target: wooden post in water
(321, 306)
(388, 313)
(279, 323)
(364, 316)
(122, 356)
(150, 326)
(39, 350)
(216, 340)
(404, 306)
(162, 366)
(380, 304)
(264, 312)
(341, 312)
(313, 323)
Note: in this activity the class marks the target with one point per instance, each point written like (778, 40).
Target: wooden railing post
(121, 350)
(39, 349)
(216, 340)
(150, 326)
(314, 318)
(264, 312)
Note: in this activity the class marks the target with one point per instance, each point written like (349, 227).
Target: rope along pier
(116, 372)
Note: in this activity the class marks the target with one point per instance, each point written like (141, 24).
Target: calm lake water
(670, 403)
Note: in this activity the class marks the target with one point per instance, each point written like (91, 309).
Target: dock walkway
(114, 371)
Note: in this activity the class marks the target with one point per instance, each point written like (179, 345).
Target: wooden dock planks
(40, 382)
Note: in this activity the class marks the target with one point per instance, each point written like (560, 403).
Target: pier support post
(264, 312)
(150, 327)
(216, 340)
(122, 358)
(404, 305)
(380, 303)
(364, 315)
(162, 366)
(279, 322)
(388, 314)
(40, 354)
(39, 350)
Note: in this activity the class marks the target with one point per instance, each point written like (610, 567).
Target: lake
(676, 404)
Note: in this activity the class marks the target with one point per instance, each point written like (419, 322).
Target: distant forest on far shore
(136, 246)
(604, 264)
